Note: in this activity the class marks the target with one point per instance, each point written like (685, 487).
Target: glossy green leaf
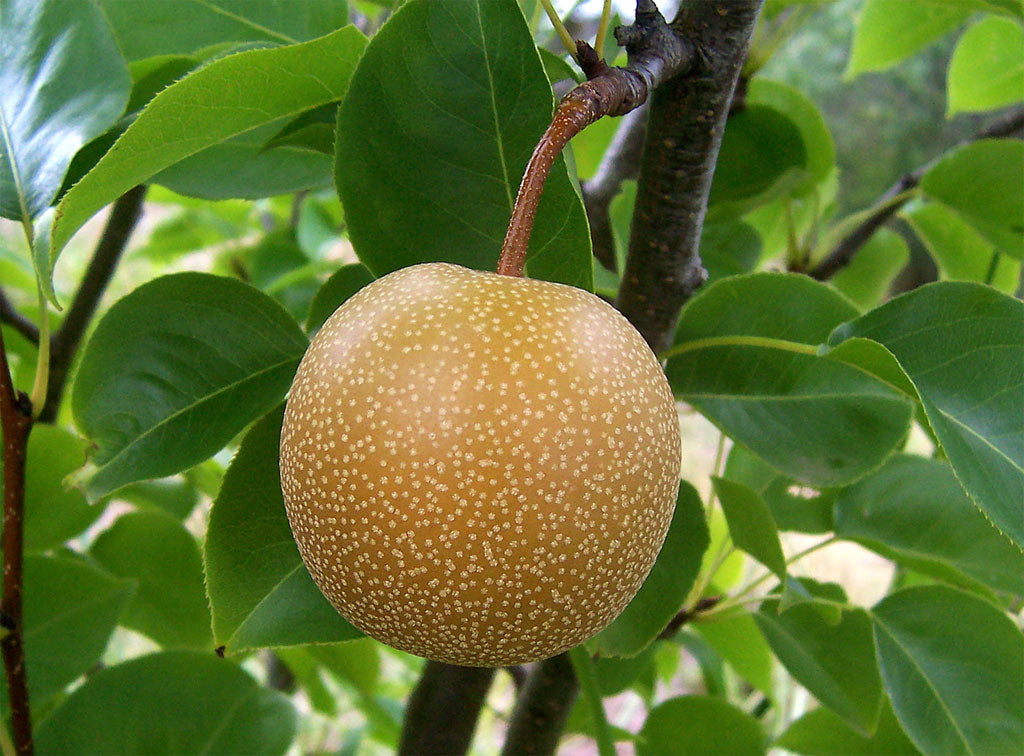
(984, 181)
(700, 725)
(62, 83)
(913, 510)
(868, 277)
(746, 356)
(962, 345)
(260, 592)
(959, 251)
(890, 30)
(820, 732)
(819, 148)
(751, 525)
(345, 282)
(206, 109)
(170, 703)
(987, 67)
(953, 665)
(176, 369)
(737, 639)
(668, 583)
(834, 661)
(54, 512)
(145, 28)
(793, 506)
(70, 611)
(437, 182)
(154, 550)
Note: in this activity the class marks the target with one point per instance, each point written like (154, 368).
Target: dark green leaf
(176, 369)
(868, 278)
(962, 345)
(170, 703)
(953, 665)
(737, 640)
(746, 356)
(260, 592)
(175, 496)
(62, 83)
(890, 30)
(668, 583)
(70, 611)
(751, 525)
(279, 267)
(615, 675)
(345, 282)
(728, 249)
(913, 510)
(436, 182)
(822, 733)
(204, 109)
(987, 67)
(145, 28)
(154, 550)
(984, 181)
(313, 130)
(834, 661)
(700, 725)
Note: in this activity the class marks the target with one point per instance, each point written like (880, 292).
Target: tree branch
(16, 422)
(124, 214)
(441, 715)
(542, 709)
(17, 321)
(895, 197)
(684, 134)
(621, 161)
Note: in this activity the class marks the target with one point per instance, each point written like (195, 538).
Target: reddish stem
(16, 421)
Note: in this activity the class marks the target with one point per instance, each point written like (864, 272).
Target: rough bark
(442, 712)
(542, 708)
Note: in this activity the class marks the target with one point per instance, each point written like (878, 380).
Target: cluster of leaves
(423, 131)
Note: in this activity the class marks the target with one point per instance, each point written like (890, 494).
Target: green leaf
(962, 345)
(737, 639)
(205, 109)
(278, 266)
(62, 83)
(70, 611)
(984, 181)
(751, 525)
(170, 703)
(145, 28)
(819, 147)
(187, 356)
(154, 550)
(822, 733)
(345, 282)
(615, 675)
(312, 130)
(987, 67)
(960, 252)
(890, 30)
(954, 668)
(668, 583)
(53, 512)
(729, 249)
(793, 507)
(914, 511)
(833, 660)
(437, 182)
(260, 592)
(700, 725)
(174, 496)
(868, 278)
(746, 356)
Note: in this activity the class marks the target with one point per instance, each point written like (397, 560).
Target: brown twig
(17, 321)
(542, 709)
(895, 197)
(687, 615)
(655, 53)
(124, 214)
(442, 712)
(16, 422)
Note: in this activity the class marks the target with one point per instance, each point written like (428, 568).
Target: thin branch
(542, 709)
(16, 422)
(684, 134)
(895, 197)
(621, 161)
(124, 214)
(17, 321)
(655, 53)
(687, 615)
(442, 712)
